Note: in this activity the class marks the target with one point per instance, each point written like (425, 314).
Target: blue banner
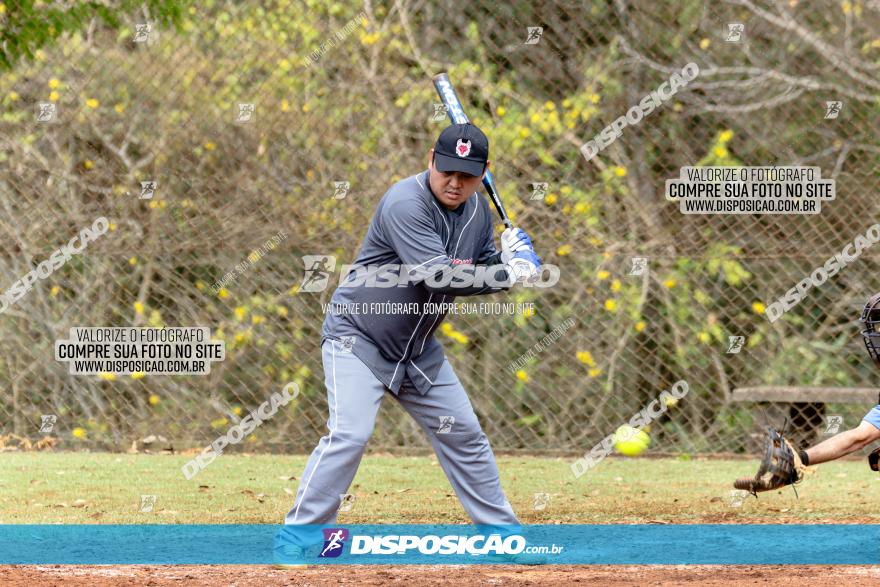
(441, 544)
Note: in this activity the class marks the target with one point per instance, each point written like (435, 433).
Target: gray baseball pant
(353, 397)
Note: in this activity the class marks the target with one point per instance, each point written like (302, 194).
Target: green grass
(106, 488)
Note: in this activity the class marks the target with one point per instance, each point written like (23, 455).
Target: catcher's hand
(780, 466)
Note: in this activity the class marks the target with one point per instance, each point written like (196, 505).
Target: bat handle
(508, 223)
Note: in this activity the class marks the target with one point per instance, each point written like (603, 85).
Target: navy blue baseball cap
(462, 147)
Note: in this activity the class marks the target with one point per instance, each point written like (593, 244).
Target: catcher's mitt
(874, 460)
(780, 466)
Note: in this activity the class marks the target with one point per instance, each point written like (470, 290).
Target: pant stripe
(332, 430)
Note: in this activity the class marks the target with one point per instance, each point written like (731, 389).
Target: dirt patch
(419, 575)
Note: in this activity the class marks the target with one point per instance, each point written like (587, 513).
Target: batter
(429, 221)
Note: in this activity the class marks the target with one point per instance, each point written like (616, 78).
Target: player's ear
(485, 169)
(431, 159)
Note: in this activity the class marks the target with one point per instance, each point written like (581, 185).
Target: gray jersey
(411, 228)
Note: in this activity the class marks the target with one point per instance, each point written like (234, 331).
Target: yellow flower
(669, 283)
(594, 372)
(370, 39)
(223, 293)
(524, 132)
(563, 250)
(720, 151)
(582, 207)
(138, 375)
(119, 108)
(281, 311)
(154, 399)
(704, 337)
(549, 105)
(529, 312)
(640, 325)
(704, 44)
(285, 105)
(671, 402)
(566, 189)
(501, 111)
(79, 433)
(586, 357)
(209, 146)
(107, 376)
(54, 83)
(460, 337)
(522, 376)
(596, 242)
(13, 96)
(219, 422)
(88, 164)
(602, 275)
(133, 261)
(550, 199)
(92, 103)
(240, 313)
(620, 171)
(725, 136)
(139, 307)
(239, 337)
(615, 285)
(611, 305)
(53, 96)
(237, 410)
(201, 285)
(594, 98)
(54, 291)
(112, 226)
(758, 307)
(257, 319)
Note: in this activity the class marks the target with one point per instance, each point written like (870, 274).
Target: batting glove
(514, 240)
(524, 266)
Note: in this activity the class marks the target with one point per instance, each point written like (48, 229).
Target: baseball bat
(457, 116)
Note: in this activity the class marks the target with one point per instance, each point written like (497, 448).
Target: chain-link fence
(271, 131)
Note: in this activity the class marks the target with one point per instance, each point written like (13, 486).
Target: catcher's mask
(871, 321)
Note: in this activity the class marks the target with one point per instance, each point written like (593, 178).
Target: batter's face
(452, 188)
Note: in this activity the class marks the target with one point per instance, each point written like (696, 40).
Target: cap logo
(463, 148)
